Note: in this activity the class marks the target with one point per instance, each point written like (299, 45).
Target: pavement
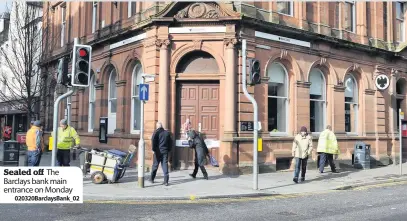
(385, 203)
(183, 187)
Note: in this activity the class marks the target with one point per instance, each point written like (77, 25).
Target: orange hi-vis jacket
(34, 139)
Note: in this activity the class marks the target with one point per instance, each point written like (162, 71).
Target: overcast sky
(3, 5)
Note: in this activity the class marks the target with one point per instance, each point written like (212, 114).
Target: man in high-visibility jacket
(327, 148)
(34, 144)
(67, 138)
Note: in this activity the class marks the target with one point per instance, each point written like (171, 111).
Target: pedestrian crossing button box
(103, 122)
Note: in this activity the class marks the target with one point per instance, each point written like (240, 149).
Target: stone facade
(170, 33)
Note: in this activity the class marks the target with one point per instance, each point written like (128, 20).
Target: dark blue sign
(143, 92)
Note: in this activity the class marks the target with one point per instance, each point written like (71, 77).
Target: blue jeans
(300, 164)
(323, 157)
(34, 158)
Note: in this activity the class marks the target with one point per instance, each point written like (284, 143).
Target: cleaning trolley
(106, 166)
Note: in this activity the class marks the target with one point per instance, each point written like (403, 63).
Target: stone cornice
(162, 43)
(121, 83)
(99, 86)
(339, 88)
(303, 84)
(370, 92)
(230, 42)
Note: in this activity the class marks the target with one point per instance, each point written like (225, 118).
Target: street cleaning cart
(108, 165)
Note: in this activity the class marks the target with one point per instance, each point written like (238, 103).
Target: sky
(3, 5)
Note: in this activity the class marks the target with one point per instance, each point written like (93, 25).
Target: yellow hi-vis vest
(327, 143)
(67, 138)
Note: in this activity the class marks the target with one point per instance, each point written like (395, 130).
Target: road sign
(143, 92)
(382, 82)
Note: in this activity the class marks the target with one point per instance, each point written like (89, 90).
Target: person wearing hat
(34, 144)
(67, 138)
(301, 150)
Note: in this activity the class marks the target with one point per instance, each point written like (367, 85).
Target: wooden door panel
(209, 110)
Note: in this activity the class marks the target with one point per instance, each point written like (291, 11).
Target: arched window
(92, 100)
(135, 102)
(317, 100)
(277, 98)
(112, 102)
(351, 104)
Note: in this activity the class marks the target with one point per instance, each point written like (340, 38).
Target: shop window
(277, 99)
(92, 106)
(351, 104)
(285, 7)
(112, 92)
(135, 102)
(400, 29)
(317, 100)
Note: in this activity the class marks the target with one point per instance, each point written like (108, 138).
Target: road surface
(384, 202)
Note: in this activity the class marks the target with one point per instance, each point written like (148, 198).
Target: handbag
(213, 161)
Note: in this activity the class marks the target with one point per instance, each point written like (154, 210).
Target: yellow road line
(389, 183)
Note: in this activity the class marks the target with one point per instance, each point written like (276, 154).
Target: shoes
(206, 177)
(166, 184)
(192, 175)
(151, 181)
(295, 180)
(302, 179)
(321, 171)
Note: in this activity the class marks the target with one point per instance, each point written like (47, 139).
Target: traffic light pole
(55, 124)
(255, 117)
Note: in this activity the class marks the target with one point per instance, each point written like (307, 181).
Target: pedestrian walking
(201, 152)
(34, 144)
(327, 148)
(162, 145)
(301, 150)
(67, 138)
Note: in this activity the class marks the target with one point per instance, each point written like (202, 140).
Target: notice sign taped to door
(41, 185)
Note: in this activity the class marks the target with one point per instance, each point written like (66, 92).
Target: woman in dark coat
(201, 151)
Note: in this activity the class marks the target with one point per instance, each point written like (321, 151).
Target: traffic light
(82, 56)
(64, 77)
(254, 72)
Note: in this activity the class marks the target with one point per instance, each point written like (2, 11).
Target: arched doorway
(197, 99)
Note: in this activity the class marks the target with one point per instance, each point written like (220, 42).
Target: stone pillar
(163, 91)
(99, 104)
(121, 123)
(230, 88)
(338, 118)
(303, 106)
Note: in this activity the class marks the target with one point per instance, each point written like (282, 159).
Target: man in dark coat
(201, 151)
(161, 143)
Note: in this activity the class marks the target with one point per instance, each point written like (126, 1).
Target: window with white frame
(112, 92)
(277, 98)
(135, 101)
(285, 7)
(92, 103)
(63, 25)
(317, 100)
(350, 16)
(94, 15)
(351, 104)
(131, 11)
(400, 29)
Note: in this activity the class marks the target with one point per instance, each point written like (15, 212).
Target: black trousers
(323, 157)
(300, 165)
(157, 159)
(64, 157)
(203, 170)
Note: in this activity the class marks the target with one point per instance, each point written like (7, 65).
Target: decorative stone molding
(339, 88)
(230, 42)
(394, 72)
(201, 10)
(355, 67)
(322, 61)
(99, 87)
(162, 43)
(283, 54)
(121, 83)
(370, 92)
(303, 84)
(197, 44)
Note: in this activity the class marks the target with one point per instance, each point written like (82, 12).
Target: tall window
(92, 100)
(317, 100)
(112, 92)
(94, 15)
(400, 91)
(131, 11)
(63, 25)
(351, 104)
(385, 21)
(400, 9)
(277, 98)
(285, 8)
(136, 103)
(350, 16)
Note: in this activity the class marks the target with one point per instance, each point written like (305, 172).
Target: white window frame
(129, 9)
(134, 97)
(353, 15)
(94, 15)
(402, 20)
(109, 91)
(287, 101)
(63, 25)
(291, 8)
(324, 102)
(92, 101)
(356, 88)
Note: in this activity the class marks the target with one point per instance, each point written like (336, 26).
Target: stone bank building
(318, 62)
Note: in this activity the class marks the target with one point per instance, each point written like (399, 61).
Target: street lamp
(141, 143)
